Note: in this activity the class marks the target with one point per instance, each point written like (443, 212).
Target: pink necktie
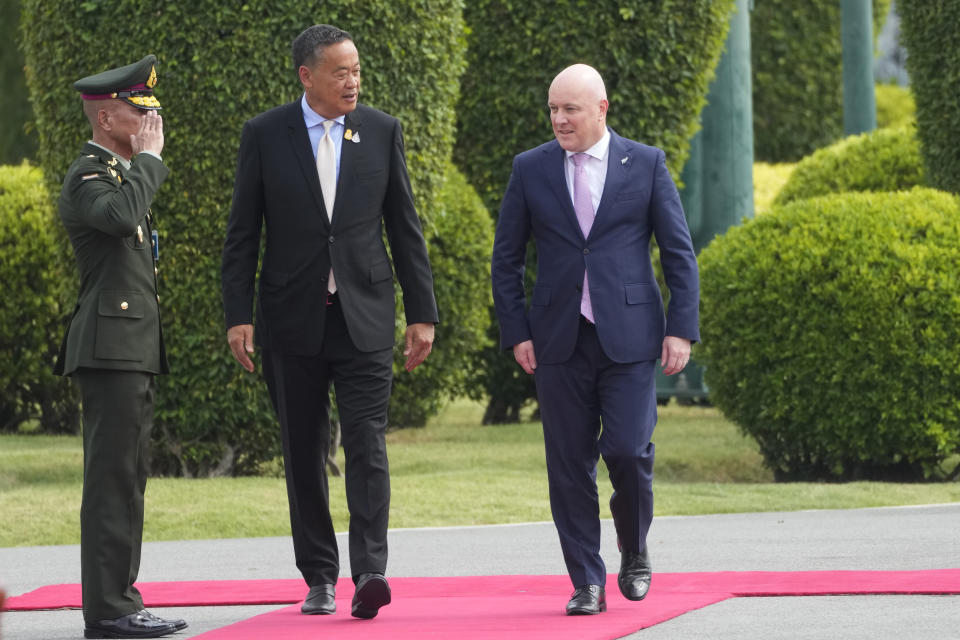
(583, 205)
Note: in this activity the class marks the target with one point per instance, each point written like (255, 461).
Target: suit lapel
(618, 168)
(556, 169)
(349, 156)
(302, 151)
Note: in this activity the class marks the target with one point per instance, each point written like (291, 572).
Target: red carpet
(509, 606)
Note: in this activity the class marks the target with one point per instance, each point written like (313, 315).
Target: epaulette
(104, 167)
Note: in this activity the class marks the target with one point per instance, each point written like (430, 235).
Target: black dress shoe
(634, 577)
(372, 593)
(320, 601)
(177, 624)
(134, 625)
(587, 600)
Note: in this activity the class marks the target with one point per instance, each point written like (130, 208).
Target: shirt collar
(312, 118)
(123, 161)
(598, 150)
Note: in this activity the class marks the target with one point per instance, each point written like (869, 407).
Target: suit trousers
(117, 419)
(300, 390)
(592, 406)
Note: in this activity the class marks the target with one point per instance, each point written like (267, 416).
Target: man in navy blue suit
(595, 326)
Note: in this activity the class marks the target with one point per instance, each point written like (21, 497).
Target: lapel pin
(355, 138)
(348, 135)
(624, 160)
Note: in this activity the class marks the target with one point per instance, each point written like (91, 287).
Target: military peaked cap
(133, 84)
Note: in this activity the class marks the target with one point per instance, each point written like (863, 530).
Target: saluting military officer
(113, 346)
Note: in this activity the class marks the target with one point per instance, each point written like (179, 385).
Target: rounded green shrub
(459, 240)
(797, 59)
(882, 160)
(831, 329)
(219, 65)
(33, 277)
(895, 106)
(931, 34)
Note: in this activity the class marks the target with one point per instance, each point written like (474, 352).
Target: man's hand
(240, 338)
(150, 136)
(419, 344)
(675, 354)
(523, 352)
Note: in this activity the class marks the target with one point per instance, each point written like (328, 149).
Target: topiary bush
(656, 58)
(33, 277)
(882, 160)
(220, 64)
(831, 329)
(895, 106)
(797, 58)
(931, 33)
(459, 241)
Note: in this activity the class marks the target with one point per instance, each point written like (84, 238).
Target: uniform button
(158, 297)
(330, 240)
(579, 287)
(124, 305)
(586, 252)
(155, 271)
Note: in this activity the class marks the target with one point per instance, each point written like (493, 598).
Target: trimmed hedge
(797, 56)
(220, 64)
(459, 240)
(656, 58)
(33, 280)
(895, 106)
(16, 144)
(882, 160)
(831, 330)
(931, 33)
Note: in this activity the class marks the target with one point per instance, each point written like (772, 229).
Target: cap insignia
(152, 80)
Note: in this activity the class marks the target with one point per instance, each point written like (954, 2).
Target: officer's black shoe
(134, 625)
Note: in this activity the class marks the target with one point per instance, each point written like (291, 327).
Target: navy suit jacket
(639, 200)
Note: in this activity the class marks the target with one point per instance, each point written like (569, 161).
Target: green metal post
(859, 101)
(718, 177)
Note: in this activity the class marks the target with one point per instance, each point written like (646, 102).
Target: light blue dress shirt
(314, 122)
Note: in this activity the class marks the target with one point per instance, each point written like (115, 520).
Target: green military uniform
(113, 346)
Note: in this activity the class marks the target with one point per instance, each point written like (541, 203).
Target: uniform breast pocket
(120, 318)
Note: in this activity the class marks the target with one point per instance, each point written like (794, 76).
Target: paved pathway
(901, 538)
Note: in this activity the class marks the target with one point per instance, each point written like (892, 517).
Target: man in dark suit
(114, 345)
(326, 175)
(591, 200)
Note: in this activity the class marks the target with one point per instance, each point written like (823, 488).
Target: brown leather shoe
(635, 574)
(133, 625)
(372, 593)
(320, 601)
(588, 600)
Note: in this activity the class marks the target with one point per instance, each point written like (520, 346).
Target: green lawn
(454, 472)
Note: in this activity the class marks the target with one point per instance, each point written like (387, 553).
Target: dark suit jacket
(639, 199)
(116, 323)
(277, 182)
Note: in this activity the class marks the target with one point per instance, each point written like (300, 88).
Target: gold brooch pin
(348, 135)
